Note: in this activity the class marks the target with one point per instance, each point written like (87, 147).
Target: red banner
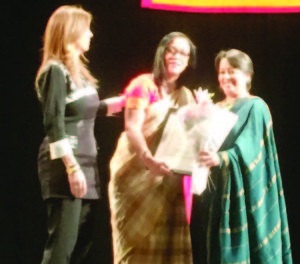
(225, 6)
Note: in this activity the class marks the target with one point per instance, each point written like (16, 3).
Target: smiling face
(232, 81)
(176, 57)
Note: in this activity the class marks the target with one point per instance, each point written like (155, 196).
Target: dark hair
(159, 64)
(238, 60)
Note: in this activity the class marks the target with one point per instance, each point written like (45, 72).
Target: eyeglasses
(174, 51)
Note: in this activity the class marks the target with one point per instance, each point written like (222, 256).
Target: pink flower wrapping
(207, 126)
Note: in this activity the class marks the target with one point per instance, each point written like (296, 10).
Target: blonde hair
(64, 27)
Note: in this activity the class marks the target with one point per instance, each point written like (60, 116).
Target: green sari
(241, 217)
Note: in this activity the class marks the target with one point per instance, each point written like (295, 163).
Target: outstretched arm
(134, 119)
(112, 105)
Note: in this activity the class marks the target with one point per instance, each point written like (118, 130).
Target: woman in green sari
(241, 216)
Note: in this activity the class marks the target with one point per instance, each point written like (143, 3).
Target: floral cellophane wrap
(193, 127)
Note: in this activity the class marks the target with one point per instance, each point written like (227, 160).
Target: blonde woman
(67, 161)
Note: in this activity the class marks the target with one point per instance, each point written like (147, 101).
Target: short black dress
(69, 114)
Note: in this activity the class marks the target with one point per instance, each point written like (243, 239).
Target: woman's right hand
(115, 104)
(77, 183)
(208, 158)
(156, 167)
(134, 120)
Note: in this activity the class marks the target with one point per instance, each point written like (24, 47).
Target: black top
(69, 114)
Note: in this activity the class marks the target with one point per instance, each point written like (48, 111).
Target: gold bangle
(73, 168)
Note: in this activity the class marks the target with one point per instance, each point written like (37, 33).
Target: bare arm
(134, 119)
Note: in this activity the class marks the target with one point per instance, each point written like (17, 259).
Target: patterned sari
(241, 217)
(148, 212)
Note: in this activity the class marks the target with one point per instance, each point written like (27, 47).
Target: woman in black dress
(67, 160)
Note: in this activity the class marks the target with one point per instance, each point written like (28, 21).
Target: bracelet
(73, 168)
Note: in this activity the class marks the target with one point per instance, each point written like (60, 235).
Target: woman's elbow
(129, 129)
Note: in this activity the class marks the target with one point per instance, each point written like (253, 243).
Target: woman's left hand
(208, 158)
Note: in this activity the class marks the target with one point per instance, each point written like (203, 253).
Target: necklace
(229, 102)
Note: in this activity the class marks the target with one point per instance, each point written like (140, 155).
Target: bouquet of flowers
(206, 126)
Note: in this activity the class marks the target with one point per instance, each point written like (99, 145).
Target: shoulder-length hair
(64, 27)
(238, 60)
(159, 71)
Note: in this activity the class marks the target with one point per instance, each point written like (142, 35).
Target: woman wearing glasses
(146, 199)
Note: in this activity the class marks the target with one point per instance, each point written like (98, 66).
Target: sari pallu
(243, 216)
(148, 212)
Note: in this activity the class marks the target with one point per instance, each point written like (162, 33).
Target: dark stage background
(125, 39)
